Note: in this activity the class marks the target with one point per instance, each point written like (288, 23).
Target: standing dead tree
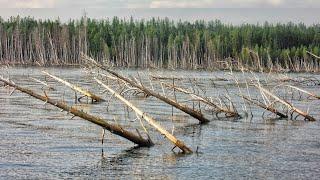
(115, 129)
(75, 88)
(196, 114)
(148, 118)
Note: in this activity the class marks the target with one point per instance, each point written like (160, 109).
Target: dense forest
(160, 43)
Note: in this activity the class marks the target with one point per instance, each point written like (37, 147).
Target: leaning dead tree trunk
(115, 129)
(75, 88)
(228, 112)
(149, 92)
(304, 91)
(268, 108)
(148, 118)
(290, 106)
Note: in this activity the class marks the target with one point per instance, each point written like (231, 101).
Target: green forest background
(159, 43)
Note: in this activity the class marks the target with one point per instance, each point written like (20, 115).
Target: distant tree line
(160, 43)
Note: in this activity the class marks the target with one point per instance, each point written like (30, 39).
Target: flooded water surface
(39, 141)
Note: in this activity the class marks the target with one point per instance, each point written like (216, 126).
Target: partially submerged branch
(218, 108)
(115, 129)
(304, 91)
(149, 92)
(148, 118)
(268, 108)
(290, 106)
(75, 88)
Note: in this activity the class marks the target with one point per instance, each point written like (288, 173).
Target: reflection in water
(131, 162)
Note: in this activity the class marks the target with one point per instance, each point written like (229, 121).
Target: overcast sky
(159, 3)
(229, 11)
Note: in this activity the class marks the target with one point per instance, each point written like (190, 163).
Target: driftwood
(268, 108)
(148, 118)
(115, 129)
(290, 106)
(205, 100)
(75, 88)
(149, 92)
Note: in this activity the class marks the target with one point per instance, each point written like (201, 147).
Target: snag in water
(115, 129)
(149, 119)
(76, 88)
(149, 92)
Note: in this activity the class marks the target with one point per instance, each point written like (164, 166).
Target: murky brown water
(39, 141)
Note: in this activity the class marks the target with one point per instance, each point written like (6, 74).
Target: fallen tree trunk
(304, 91)
(148, 118)
(290, 106)
(149, 92)
(75, 88)
(268, 108)
(205, 100)
(115, 129)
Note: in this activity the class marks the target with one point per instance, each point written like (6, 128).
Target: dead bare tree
(149, 92)
(149, 119)
(115, 129)
(289, 106)
(76, 88)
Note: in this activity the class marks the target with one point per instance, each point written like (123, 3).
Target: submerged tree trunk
(149, 92)
(149, 119)
(115, 129)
